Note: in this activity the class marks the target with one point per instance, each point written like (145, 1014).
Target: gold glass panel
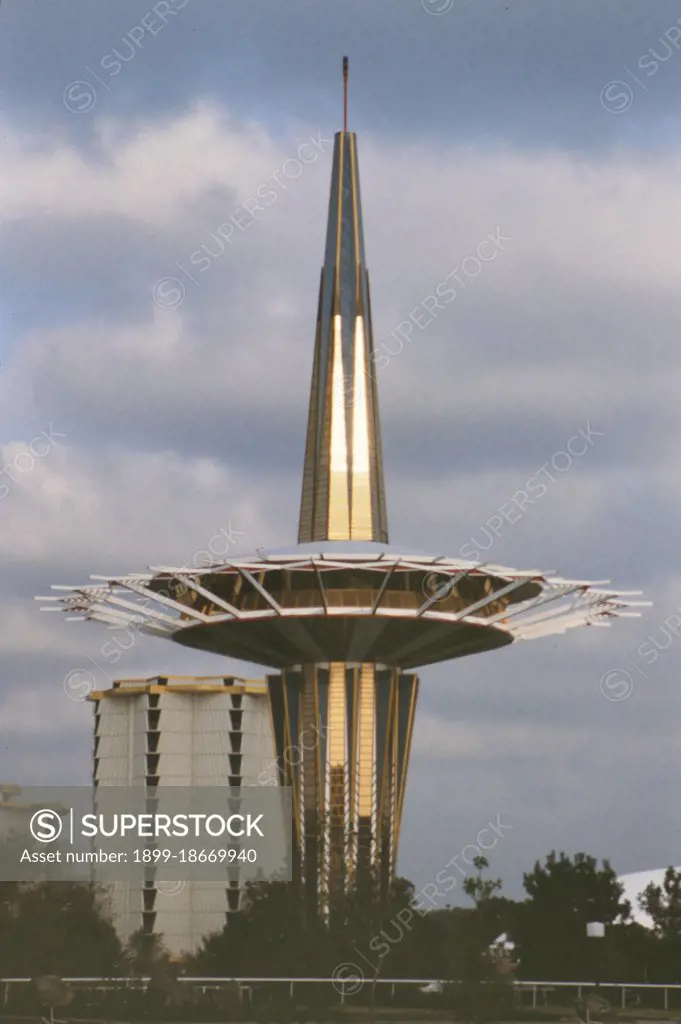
(366, 766)
(362, 523)
(339, 513)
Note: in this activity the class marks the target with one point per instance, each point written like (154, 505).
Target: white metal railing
(349, 986)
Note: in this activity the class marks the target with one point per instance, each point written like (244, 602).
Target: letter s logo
(46, 825)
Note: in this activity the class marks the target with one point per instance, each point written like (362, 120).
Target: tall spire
(343, 491)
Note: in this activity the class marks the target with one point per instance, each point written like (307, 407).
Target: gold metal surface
(347, 807)
(366, 762)
(361, 527)
(339, 512)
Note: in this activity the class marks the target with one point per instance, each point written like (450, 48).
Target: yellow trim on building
(184, 684)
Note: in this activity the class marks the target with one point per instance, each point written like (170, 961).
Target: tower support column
(343, 736)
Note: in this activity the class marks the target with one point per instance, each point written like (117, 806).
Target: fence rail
(542, 993)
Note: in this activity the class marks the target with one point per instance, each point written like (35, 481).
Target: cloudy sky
(140, 416)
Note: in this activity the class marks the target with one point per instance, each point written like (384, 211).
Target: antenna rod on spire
(345, 94)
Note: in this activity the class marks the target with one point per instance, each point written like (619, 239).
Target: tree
(564, 894)
(663, 904)
(634, 954)
(146, 953)
(481, 993)
(478, 888)
(494, 914)
(56, 928)
(267, 937)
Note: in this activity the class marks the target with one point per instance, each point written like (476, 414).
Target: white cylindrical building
(180, 731)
